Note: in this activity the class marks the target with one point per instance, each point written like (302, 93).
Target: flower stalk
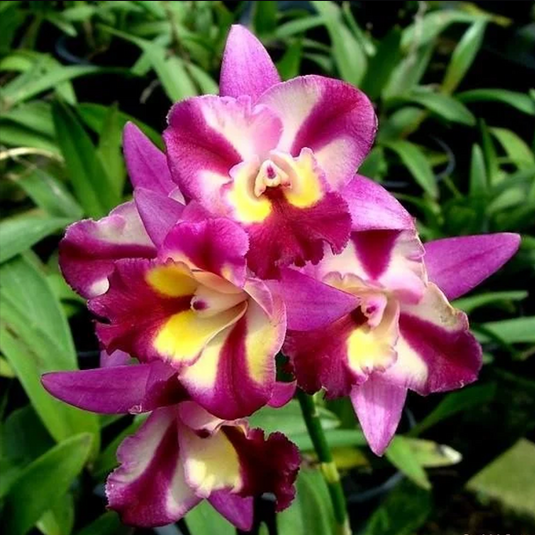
(327, 465)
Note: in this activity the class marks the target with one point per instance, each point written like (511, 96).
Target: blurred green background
(453, 84)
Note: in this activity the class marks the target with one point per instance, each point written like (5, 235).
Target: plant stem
(327, 465)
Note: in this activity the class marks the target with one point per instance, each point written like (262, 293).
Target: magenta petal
(373, 208)
(115, 390)
(147, 165)
(311, 304)
(456, 265)
(236, 509)
(116, 358)
(158, 212)
(282, 394)
(379, 407)
(88, 251)
(330, 117)
(267, 465)
(216, 245)
(148, 489)
(247, 68)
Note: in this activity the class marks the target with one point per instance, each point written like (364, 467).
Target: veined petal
(282, 394)
(311, 304)
(200, 420)
(332, 118)
(158, 212)
(267, 465)
(148, 307)
(238, 510)
(207, 136)
(344, 353)
(293, 235)
(389, 259)
(116, 358)
(379, 407)
(253, 465)
(247, 68)
(456, 265)
(90, 248)
(216, 246)
(118, 389)
(235, 374)
(147, 165)
(149, 489)
(372, 207)
(436, 352)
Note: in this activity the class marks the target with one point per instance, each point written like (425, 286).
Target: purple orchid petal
(379, 407)
(247, 68)
(373, 208)
(116, 358)
(282, 394)
(158, 212)
(311, 304)
(238, 510)
(149, 489)
(456, 265)
(235, 375)
(334, 119)
(117, 389)
(216, 246)
(436, 351)
(88, 251)
(147, 165)
(207, 136)
(390, 259)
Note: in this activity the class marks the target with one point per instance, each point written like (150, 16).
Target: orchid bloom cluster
(253, 234)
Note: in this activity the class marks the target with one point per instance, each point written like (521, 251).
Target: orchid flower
(181, 454)
(391, 328)
(274, 157)
(172, 285)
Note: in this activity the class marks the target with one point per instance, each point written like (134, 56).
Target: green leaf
(509, 479)
(15, 135)
(288, 65)
(49, 194)
(515, 147)
(401, 455)
(478, 173)
(520, 101)
(107, 524)
(45, 82)
(35, 338)
(409, 72)
(22, 232)
(94, 190)
(443, 105)
(414, 159)
(298, 26)
(429, 454)
(348, 53)
(336, 438)
(54, 471)
(58, 520)
(94, 116)
(311, 512)
(265, 17)
(427, 28)
(204, 519)
(375, 164)
(35, 115)
(464, 55)
(491, 160)
(403, 512)
(109, 149)
(454, 403)
(469, 304)
(511, 331)
(400, 124)
(381, 65)
(288, 419)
